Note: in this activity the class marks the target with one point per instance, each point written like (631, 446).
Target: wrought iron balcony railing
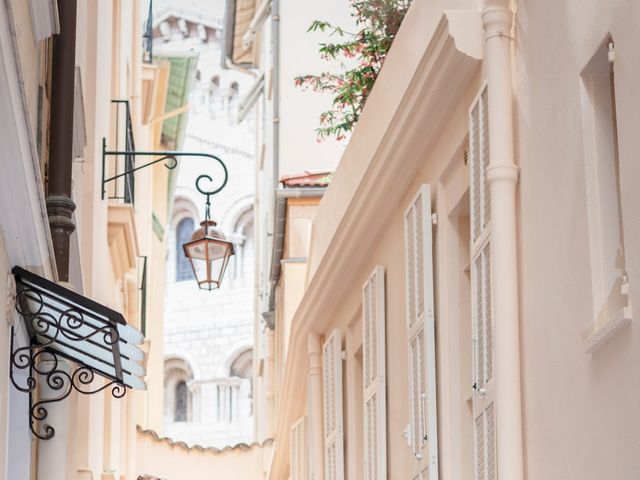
(147, 37)
(124, 186)
(142, 292)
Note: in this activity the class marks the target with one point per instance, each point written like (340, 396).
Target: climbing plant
(361, 55)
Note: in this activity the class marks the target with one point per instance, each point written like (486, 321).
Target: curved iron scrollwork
(48, 377)
(169, 157)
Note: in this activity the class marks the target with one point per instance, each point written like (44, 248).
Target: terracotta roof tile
(307, 179)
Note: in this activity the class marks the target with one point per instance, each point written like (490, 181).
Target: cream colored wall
(93, 38)
(584, 402)
(106, 441)
(175, 461)
(587, 403)
(5, 339)
(298, 222)
(153, 404)
(29, 54)
(150, 410)
(298, 225)
(101, 435)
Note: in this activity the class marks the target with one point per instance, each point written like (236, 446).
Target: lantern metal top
(209, 229)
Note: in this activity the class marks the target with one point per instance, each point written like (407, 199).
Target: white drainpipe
(502, 175)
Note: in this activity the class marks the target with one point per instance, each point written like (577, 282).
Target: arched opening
(241, 393)
(243, 239)
(181, 402)
(242, 366)
(178, 405)
(183, 235)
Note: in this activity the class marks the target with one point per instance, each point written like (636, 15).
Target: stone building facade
(209, 335)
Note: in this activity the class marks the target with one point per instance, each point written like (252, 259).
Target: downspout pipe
(60, 206)
(269, 315)
(275, 37)
(502, 175)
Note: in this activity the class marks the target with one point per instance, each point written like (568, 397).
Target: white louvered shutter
(483, 386)
(421, 336)
(375, 405)
(333, 421)
(299, 465)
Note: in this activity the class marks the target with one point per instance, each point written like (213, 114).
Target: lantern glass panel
(209, 255)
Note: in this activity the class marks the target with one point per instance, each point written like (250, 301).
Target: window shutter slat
(421, 335)
(373, 332)
(486, 313)
(479, 448)
(333, 420)
(483, 328)
(298, 469)
(490, 429)
(475, 178)
(483, 406)
(484, 135)
(410, 226)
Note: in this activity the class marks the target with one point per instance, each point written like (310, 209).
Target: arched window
(241, 264)
(180, 413)
(183, 235)
(178, 397)
(242, 366)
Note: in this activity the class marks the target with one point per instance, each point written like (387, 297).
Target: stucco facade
(558, 391)
(95, 435)
(457, 303)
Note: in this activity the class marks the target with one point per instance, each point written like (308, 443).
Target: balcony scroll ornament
(72, 339)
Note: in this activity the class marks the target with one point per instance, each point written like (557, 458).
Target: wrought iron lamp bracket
(171, 159)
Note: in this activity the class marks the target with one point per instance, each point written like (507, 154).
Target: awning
(239, 16)
(181, 77)
(79, 329)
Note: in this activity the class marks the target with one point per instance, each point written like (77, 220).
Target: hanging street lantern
(209, 249)
(209, 252)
